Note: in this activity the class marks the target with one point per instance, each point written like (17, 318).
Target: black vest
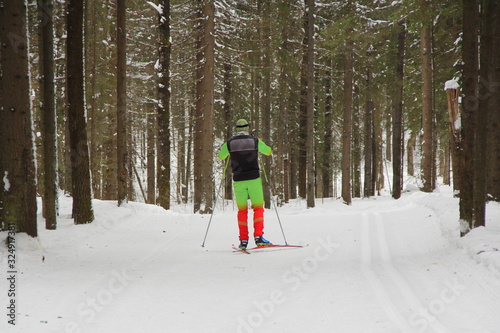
(244, 157)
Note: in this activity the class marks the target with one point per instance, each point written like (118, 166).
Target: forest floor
(379, 265)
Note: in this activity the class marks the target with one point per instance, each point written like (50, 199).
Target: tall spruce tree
(121, 86)
(17, 167)
(397, 119)
(48, 108)
(427, 103)
(310, 13)
(80, 168)
(203, 121)
(470, 56)
(163, 108)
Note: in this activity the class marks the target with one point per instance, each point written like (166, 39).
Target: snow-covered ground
(380, 265)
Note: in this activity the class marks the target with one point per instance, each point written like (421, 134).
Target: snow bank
(483, 243)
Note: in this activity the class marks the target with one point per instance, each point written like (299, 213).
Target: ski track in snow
(379, 266)
(398, 284)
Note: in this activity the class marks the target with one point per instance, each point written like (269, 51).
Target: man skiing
(244, 150)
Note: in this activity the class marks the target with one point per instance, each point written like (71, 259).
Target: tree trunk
(410, 151)
(121, 93)
(454, 136)
(49, 115)
(266, 92)
(95, 149)
(228, 120)
(310, 6)
(282, 176)
(328, 141)
(470, 56)
(489, 14)
(294, 162)
(163, 110)
(494, 113)
(356, 145)
(397, 125)
(80, 168)
(377, 161)
(151, 157)
(302, 125)
(369, 144)
(427, 112)
(347, 124)
(17, 166)
(203, 131)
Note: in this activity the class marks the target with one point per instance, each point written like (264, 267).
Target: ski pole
(272, 200)
(215, 202)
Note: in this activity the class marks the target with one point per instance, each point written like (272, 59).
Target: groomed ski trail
(379, 266)
(375, 248)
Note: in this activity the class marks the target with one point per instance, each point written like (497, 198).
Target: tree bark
(266, 92)
(228, 120)
(121, 92)
(17, 166)
(203, 131)
(151, 157)
(397, 119)
(410, 153)
(310, 6)
(489, 14)
(470, 56)
(49, 115)
(302, 125)
(95, 149)
(494, 114)
(163, 109)
(347, 124)
(80, 170)
(455, 140)
(368, 139)
(357, 139)
(328, 141)
(427, 112)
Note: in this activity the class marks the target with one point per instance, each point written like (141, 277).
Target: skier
(243, 149)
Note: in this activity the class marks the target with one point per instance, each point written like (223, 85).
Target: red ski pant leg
(258, 221)
(244, 190)
(243, 223)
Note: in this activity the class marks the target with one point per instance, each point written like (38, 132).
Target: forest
(130, 100)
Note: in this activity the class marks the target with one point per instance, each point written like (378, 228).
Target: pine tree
(347, 127)
(163, 108)
(121, 86)
(203, 128)
(397, 126)
(494, 111)
(427, 103)
(17, 167)
(81, 191)
(310, 8)
(470, 54)
(49, 115)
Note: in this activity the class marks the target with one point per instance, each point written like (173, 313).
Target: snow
(158, 8)
(458, 123)
(6, 182)
(451, 84)
(379, 265)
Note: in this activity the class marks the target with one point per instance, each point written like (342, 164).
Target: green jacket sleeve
(264, 149)
(224, 152)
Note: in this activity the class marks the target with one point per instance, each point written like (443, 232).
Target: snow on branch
(158, 8)
(451, 84)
